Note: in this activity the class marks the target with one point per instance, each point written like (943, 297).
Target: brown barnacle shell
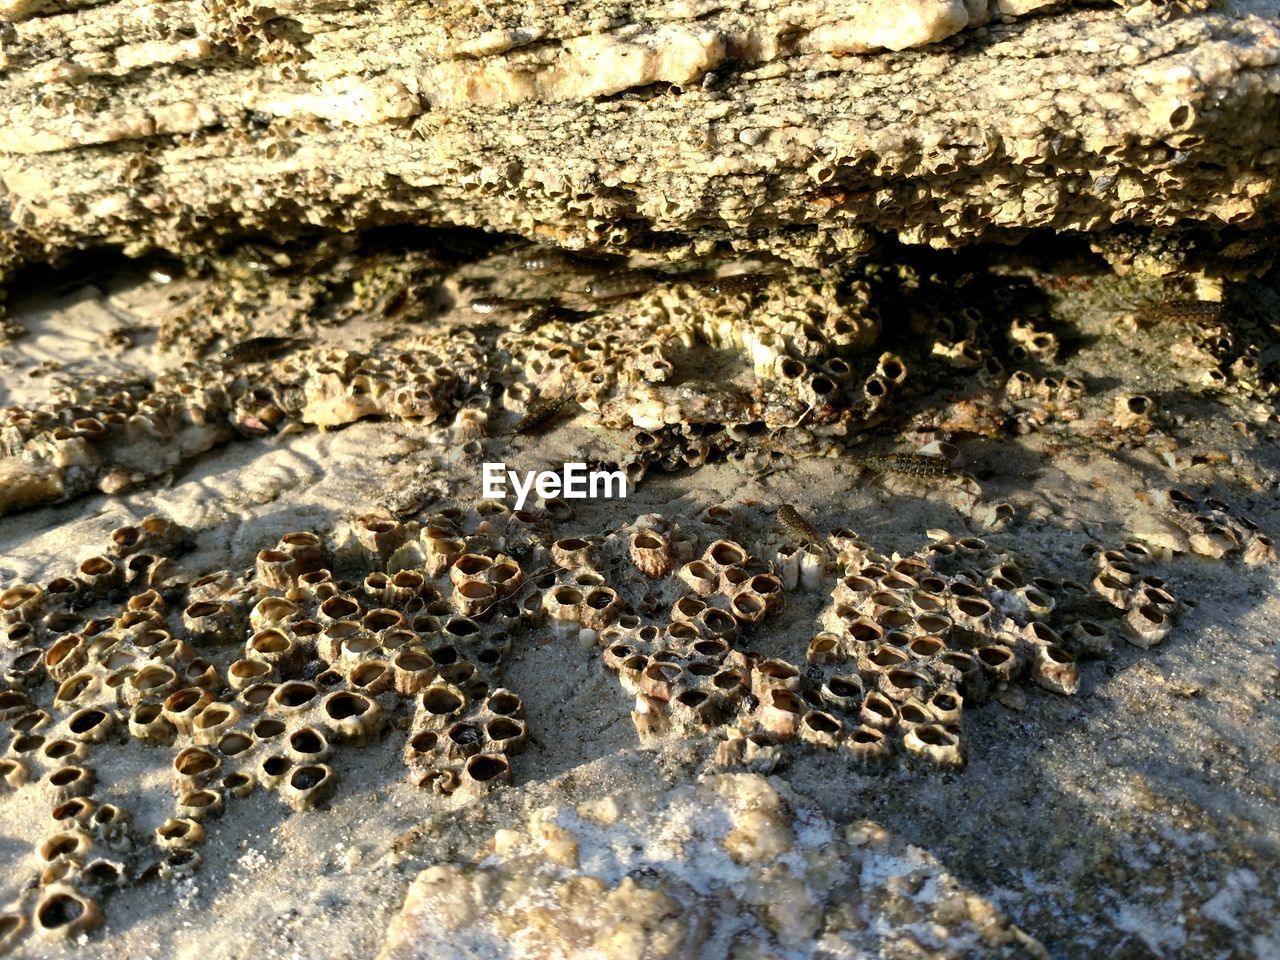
(694, 709)
(474, 596)
(1053, 668)
(13, 927)
(780, 711)
(935, 743)
(998, 661)
(63, 911)
(203, 804)
(21, 602)
(768, 587)
(182, 707)
(658, 679)
(194, 767)
(869, 745)
(153, 682)
(147, 722)
(773, 674)
(563, 603)
(371, 677)
(337, 609)
(210, 621)
(305, 786)
(600, 607)
(702, 578)
(572, 553)
(101, 575)
(13, 703)
(13, 773)
(213, 721)
(1259, 549)
(277, 649)
(482, 772)
(308, 744)
(351, 716)
(1146, 625)
(66, 656)
(71, 781)
(292, 698)
(276, 569)
(90, 725)
(306, 548)
(244, 673)
(145, 569)
(379, 535)
(71, 845)
(412, 670)
(652, 553)
(748, 606)
(724, 553)
(1134, 412)
(272, 770)
(211, 586)
(821, 729)
(179, 833)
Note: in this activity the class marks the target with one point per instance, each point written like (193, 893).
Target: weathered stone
(137, 125)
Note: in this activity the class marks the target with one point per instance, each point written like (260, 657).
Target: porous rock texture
(809, 128)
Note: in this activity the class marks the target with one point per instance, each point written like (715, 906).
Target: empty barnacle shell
(780, 711)
(210, 620)
(773, 674)
(64, 911)
(371, 677)
(868, 745)
(200, 804)
(13, 773)
(878, 711)
(276, 569)
(935, 743)
(213, 721)
(351, 716)
(101, 575)
(179, 833)
(291, 698)
(71, 781)
(1134, 411)
(701, 577)
(72, 844)
(652, 553)
(1054, 669)
(305, 786)
(150, 684)
(821, 729)
(600, 605)
(563, 603)
(183, 706)
(381, 536)
(483, 772)
(194, 767)
(307, 550)
(1145, 625)
(1259, 549)
(90, 725)
(66, 656)
(272, 769)
(572, 553)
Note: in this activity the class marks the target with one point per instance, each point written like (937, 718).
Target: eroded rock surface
(655, 125)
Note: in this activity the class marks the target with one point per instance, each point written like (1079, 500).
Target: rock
(808, 129)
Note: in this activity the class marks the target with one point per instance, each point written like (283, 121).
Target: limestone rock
(666, 122)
